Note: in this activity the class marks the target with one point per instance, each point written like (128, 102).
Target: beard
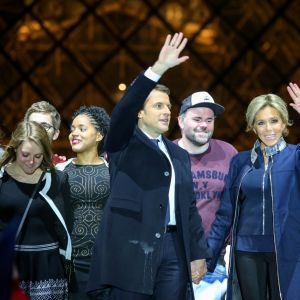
(197, 140)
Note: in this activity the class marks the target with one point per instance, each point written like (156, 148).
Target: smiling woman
(28, 178)
(28, 152)
(88, 177)
(260, 207)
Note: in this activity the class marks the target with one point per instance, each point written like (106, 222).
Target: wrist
(152, 75)
(159, 68)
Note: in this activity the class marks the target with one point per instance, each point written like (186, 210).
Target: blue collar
(269, 151)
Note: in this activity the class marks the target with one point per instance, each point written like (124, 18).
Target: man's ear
(140, 114)
(180, 121)
(55, 135)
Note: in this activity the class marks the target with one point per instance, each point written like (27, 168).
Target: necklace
(265, 156)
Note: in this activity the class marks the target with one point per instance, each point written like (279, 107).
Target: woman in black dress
(27, 172)
(89, 188)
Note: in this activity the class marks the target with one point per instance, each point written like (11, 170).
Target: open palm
(294, 92)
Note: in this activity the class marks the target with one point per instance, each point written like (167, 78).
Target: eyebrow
(28, 152)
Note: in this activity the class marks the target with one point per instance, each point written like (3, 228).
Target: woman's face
(29, 157)
(268, 126)
(83, 136)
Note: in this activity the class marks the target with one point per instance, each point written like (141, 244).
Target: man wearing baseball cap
(210, 159)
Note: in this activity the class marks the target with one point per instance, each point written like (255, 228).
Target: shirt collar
(269, 150)
(150, 137)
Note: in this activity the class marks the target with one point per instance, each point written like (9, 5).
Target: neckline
(22, 182)
(101, 162)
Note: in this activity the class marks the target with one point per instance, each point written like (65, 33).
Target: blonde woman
(261, 205)
(32, 190)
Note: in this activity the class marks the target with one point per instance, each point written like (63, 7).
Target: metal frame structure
(75, 52)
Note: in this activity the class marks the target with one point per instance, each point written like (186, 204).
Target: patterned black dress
(89, 190)
(39, 263)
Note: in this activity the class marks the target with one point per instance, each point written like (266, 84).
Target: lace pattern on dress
(52, 289)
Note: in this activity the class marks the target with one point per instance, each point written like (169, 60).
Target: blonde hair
(46, 108)
(262, 101)
(29, 131)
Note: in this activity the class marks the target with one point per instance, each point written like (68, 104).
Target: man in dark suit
(151, 243)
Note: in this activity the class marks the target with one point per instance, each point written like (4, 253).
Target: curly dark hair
(99, 119)
(98, 116)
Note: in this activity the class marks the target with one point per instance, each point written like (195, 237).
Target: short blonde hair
(262, 101)
(29, 131)
(45, 108)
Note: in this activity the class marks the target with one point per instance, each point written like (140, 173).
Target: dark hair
(98, 116)
(162, 88)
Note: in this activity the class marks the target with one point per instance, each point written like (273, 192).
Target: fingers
(182, 44)
(294, 87)
(196, 281)
(177, 41)
(169, 55)
(198, 270)
(197, 277)
(173, 41)
(294, 91)
(296, 107)
(167, 41)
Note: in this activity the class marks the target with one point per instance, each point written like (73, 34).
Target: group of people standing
(59, 203)
(150, 218)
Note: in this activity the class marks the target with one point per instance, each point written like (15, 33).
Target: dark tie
(155, 142)
(167, 218)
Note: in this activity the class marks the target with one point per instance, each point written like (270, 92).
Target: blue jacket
(285, 189)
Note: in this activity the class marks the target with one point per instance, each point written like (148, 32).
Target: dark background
(74, 52)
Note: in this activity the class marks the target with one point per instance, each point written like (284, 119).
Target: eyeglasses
(47, 126)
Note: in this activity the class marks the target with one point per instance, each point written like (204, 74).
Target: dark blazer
(126, 249)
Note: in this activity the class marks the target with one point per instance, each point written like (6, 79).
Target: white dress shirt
(163, 148)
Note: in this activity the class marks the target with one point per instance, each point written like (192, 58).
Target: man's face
(197, 125)
(46, 121)
(155, 116)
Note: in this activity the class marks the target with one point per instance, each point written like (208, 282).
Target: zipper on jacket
(264, 199)
(274, 237)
